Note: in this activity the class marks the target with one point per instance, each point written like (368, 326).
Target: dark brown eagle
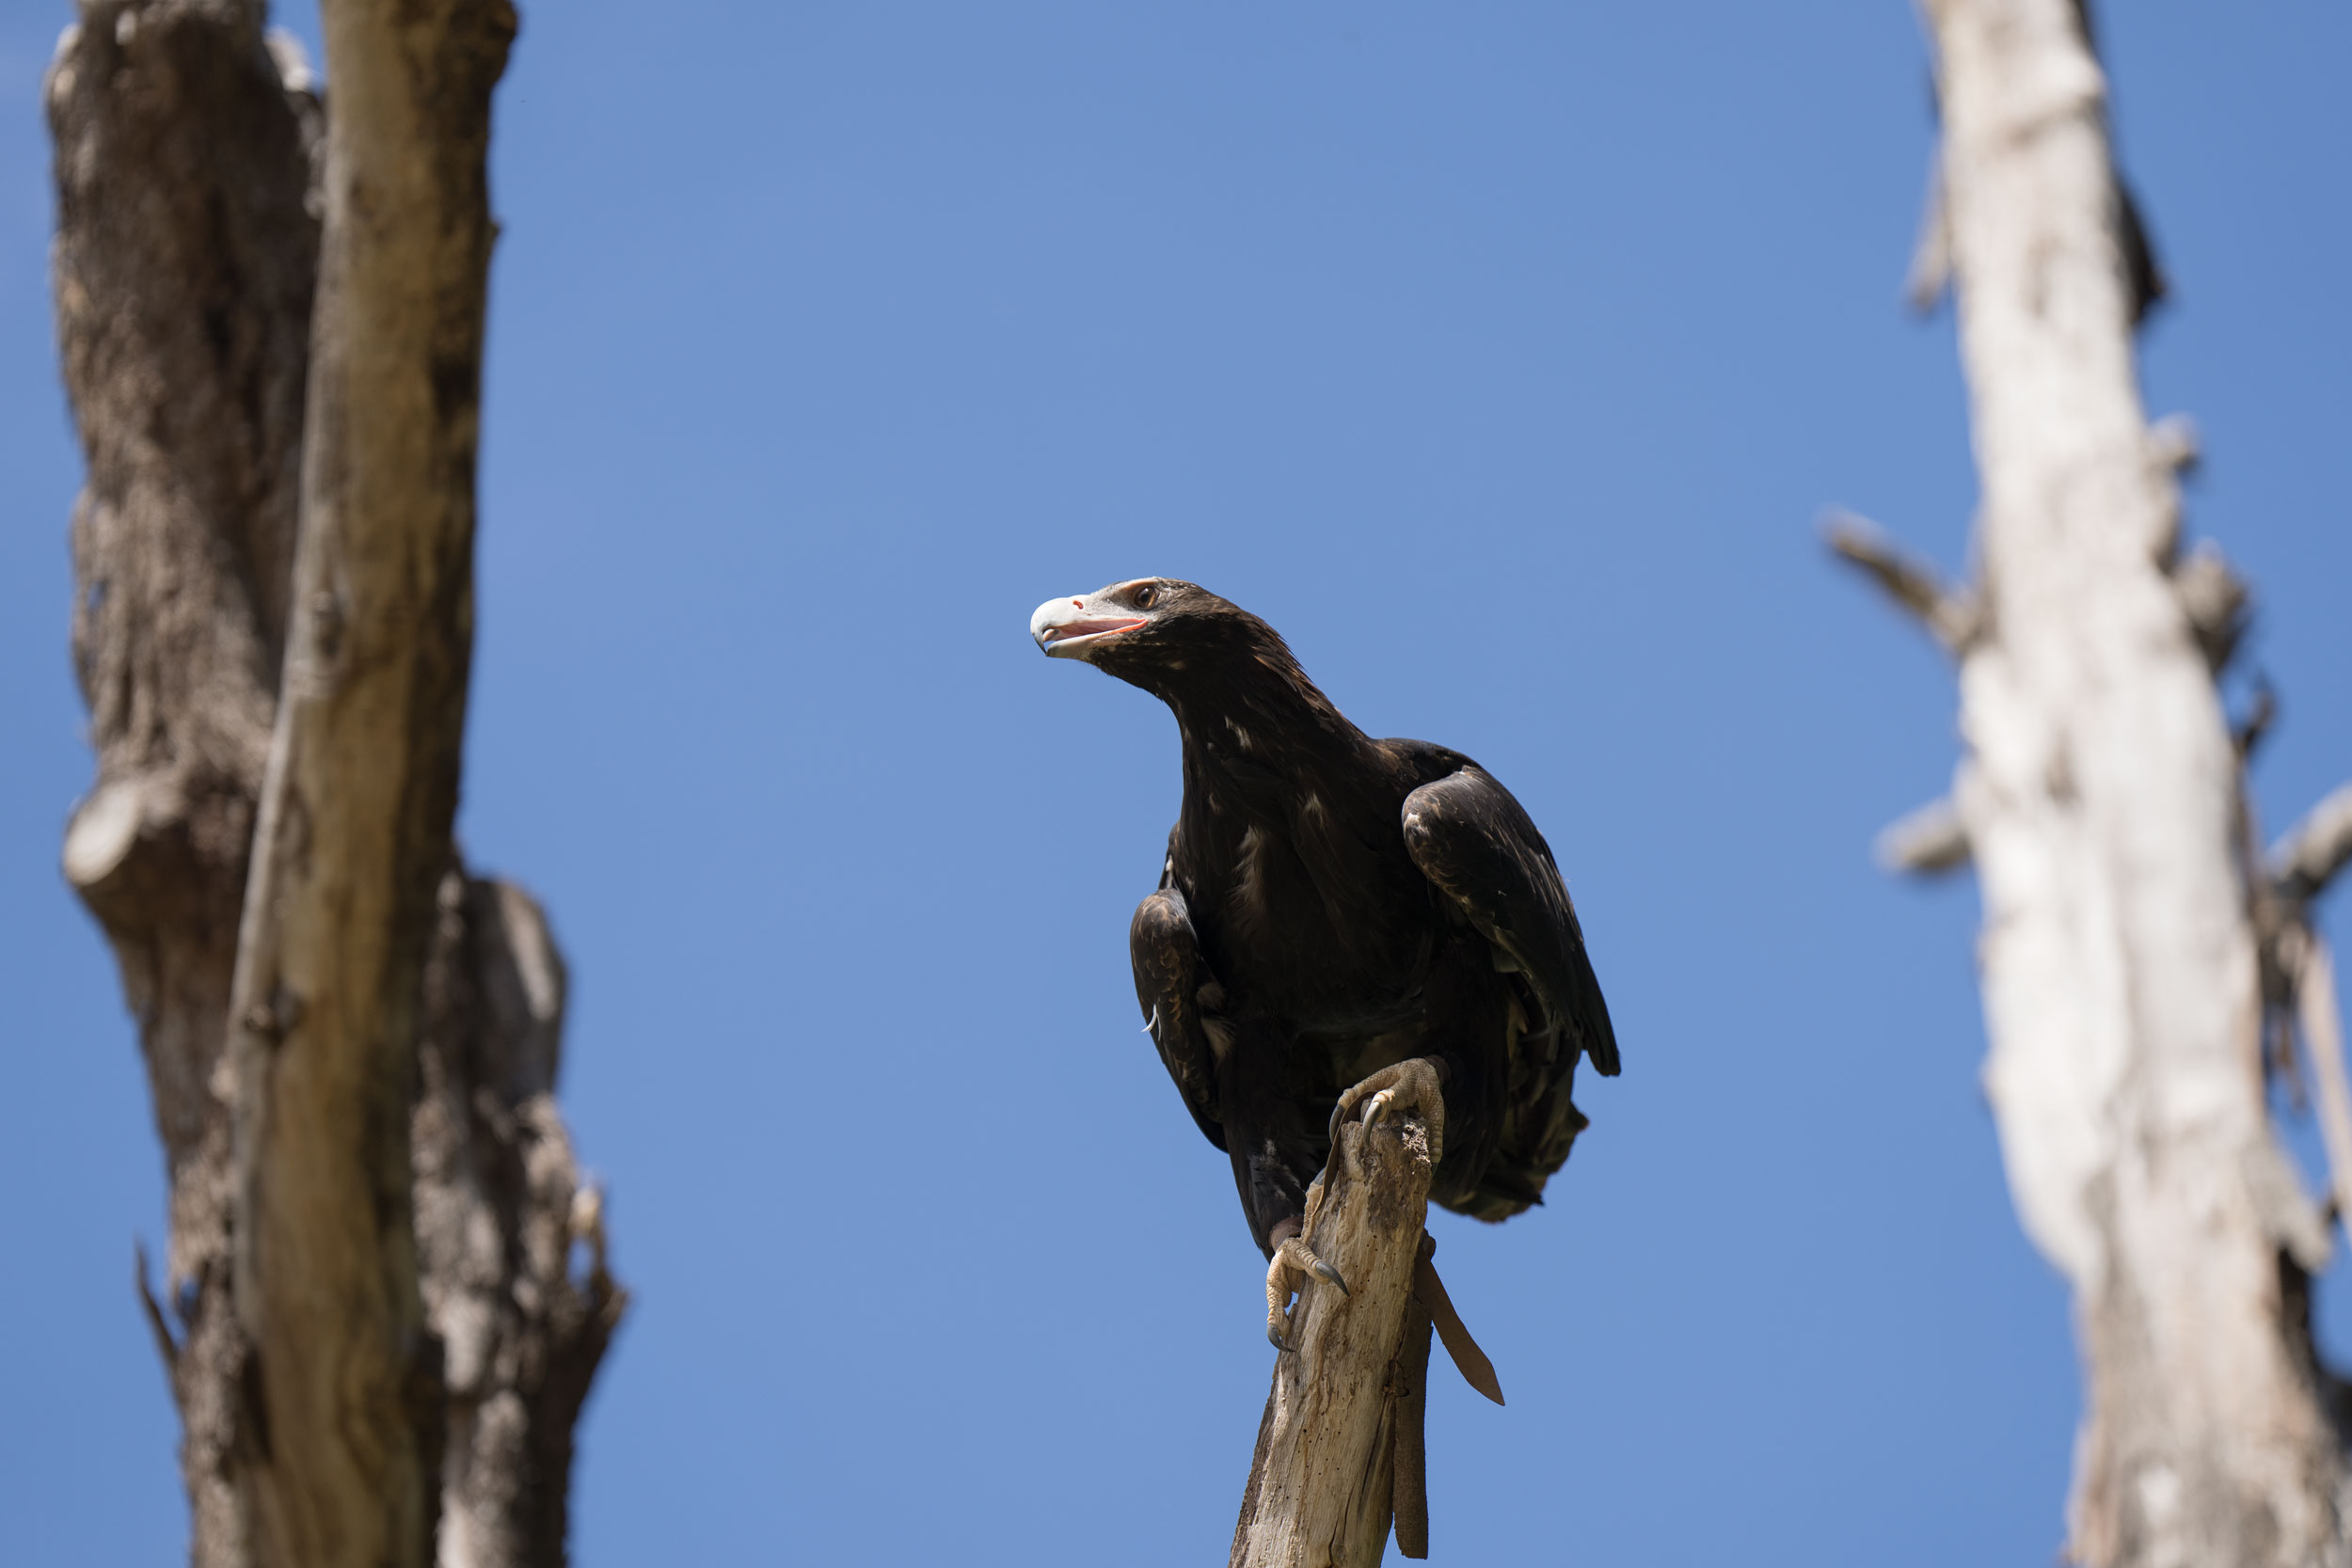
(1341, 922)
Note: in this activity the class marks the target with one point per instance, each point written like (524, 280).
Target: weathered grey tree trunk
(2125, 944)
(1328, 1474)
(385, 1002)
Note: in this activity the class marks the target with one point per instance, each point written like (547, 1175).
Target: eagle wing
(1478, 846)
(1169, 978)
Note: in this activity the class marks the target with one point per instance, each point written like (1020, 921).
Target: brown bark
(361, 787)
(498, 1205)
(185, 264)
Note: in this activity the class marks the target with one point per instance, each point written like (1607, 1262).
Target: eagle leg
(1415, 1084)
(1285, 1277)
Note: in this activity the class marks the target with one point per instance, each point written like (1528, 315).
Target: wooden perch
(1949, 613)
(1927, 841)
(1338, 1451)
(2308, 857)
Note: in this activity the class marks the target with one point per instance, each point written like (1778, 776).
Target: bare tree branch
(1928, 842)
(2307, 859)
(2321, 1023)
(166, 1348)
(1949, 614)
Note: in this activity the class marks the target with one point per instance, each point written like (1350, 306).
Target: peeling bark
(187, 263)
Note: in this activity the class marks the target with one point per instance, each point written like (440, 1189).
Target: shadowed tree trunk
(374, 1318)
(2134, 940)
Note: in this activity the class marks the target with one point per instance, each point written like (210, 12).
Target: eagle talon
(1286, 1274)
(1415, 1086)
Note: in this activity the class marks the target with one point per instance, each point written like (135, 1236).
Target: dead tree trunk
(188, 257)
(1328, 1474)
(359, 798)
(2124, 952)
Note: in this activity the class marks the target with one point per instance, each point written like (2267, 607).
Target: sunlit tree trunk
(2124, 949)
(374, 1332)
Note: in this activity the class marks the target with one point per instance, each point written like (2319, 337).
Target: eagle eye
(1144, 595)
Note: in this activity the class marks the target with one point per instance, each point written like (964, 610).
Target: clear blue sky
(1504, 357)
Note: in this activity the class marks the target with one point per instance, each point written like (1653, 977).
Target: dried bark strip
(1322, 1482)
(1409, 1495)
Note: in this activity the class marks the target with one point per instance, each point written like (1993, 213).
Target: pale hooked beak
(1067, 628)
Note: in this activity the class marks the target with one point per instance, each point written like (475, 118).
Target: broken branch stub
(1322, 1484)
(1950, 614)
(2317, 1016)
(1926, 842)
(2314, 849)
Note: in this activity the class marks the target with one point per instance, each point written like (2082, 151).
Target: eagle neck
(1274, 719)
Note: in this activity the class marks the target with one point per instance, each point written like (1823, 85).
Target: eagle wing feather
(1169, 977)
(1478, 846)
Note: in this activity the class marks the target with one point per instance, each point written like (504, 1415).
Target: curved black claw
(1415, 1086)
(1286, 1272)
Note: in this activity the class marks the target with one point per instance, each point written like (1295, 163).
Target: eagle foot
(1415, 1086)
(1285, 1277)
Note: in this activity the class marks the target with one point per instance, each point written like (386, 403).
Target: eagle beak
(1068, 629)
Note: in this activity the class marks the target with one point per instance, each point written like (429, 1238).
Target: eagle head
(1143, 629)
